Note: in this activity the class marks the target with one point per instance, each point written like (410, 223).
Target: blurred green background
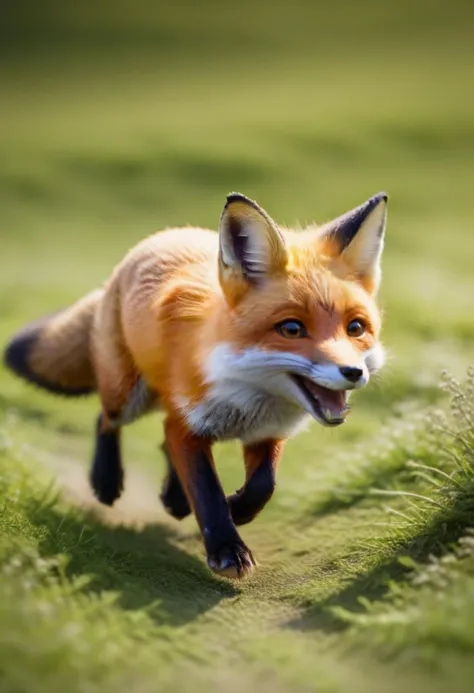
(120, 118)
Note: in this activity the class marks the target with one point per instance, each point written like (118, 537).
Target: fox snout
(350, 373)
(335, 376)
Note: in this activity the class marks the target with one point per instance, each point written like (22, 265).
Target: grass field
(118, 119)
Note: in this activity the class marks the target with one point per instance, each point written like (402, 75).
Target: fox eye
(292, 329)
(356, 328)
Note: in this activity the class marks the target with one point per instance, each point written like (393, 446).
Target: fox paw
(107, 483)
(232, 561)
(106, 475)
(173, 497)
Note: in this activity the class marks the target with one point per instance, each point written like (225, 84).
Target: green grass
(119, 119)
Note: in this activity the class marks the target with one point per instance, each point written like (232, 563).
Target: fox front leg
(261, 462)
(191, 456)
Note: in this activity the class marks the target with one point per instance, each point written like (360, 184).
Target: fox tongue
(333, 400)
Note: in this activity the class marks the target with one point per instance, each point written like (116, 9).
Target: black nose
(351, 374)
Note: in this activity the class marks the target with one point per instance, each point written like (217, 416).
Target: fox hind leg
(106, 474)
(172, 493)
(120, 390)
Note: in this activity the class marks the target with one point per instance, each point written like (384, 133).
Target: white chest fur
(237, 410)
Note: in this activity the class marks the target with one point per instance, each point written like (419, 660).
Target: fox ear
(356, 240)
(251, 247)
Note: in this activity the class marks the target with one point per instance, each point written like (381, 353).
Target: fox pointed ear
(251, 247)
(355, 240)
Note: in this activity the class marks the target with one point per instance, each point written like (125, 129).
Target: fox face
(302, 327)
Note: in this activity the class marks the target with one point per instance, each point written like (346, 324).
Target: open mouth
(330, 406)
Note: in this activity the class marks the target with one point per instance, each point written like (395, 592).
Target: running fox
(244, 334)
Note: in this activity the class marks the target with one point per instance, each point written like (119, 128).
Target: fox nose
(350, 373)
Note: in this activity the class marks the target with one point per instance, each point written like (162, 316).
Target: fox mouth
(329, 406)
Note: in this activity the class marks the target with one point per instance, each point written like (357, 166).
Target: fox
(249, 334)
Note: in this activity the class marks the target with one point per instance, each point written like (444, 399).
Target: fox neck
(231, 410)
(204, 394)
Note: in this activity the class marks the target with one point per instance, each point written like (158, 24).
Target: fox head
(302, 322)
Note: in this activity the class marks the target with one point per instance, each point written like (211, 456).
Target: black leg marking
(226, 552)
(246, 503)
(172, 494)
(106, 476)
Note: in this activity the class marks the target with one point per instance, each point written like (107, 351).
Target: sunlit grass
(117, 121)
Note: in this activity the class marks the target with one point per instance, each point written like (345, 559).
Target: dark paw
(172, 494)
(175, 501)
(242, 512)
(233, 560)
(107, 483)
(106, 475)
(249, 501)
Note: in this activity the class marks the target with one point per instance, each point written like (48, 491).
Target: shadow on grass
(145, 567)
(431, 539)
(345, 499)
(355, 489)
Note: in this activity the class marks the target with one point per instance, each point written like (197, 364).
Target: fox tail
(54, 352)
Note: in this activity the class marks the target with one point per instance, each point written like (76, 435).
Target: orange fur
(149, 337)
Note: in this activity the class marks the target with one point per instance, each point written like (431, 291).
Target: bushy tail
(54, 352)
